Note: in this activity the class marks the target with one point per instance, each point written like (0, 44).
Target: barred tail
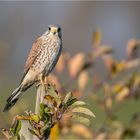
(12, 99)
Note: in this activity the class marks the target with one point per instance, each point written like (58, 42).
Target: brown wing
(35, 50)
(33, 54)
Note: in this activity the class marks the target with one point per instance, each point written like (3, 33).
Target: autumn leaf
(76, 63)
(82, 131)
(103, 50)
(82, 80)
(110, 64)
(108, 102)
(132, 48)
(61, 63)
(132, 63)
(96, 38)
(55, 132)
(122, 94)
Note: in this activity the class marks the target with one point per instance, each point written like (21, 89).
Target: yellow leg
(41, 81)
(46, 80)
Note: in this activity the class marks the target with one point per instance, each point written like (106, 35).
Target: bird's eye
(59, 29)
(49, 28)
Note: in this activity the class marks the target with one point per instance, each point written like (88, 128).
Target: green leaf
(47, 118)
(81, 119)
(44, 129)
(42, 106)
(34, 132)
(53, 93)
(68, 97)
(35, 117)
(78, 103)
(83, 111)
(12, 130)
(17, 128)
(47, 110)
(71, 102)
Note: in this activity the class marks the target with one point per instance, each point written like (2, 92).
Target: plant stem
(39, 98)
(41, 92)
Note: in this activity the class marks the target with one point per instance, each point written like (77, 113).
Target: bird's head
(54, 30)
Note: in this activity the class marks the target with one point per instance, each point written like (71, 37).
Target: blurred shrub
(120, 84)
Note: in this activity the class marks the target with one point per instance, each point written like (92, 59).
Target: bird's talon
(37, 85)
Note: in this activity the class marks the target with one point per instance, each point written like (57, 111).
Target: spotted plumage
(42, 58)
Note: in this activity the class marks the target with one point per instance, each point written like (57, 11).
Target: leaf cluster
(51, 111)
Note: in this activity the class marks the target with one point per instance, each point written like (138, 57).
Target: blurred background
(104, 36)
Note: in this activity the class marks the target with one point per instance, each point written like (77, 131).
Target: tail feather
(12, 99)
(14, 94)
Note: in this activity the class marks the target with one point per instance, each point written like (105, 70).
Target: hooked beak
(53, 30)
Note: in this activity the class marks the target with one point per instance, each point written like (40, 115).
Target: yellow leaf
(117, 87)
(34, 117)
(96, 38)
(122, 94)
(82, 80)
(54, 132)
(82, 131)
(49, 98)
(121, 66)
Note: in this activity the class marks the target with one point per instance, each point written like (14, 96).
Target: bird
(41, 60)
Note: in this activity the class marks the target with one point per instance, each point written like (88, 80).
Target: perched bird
(42, 58)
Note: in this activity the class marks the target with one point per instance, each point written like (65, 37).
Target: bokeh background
(85, 27)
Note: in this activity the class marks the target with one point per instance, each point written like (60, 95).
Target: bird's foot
(37, 85)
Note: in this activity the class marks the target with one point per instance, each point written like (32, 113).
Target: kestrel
(42, 58)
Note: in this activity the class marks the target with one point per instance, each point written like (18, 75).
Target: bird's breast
(47, 58)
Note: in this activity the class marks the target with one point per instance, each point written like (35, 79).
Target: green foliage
(13, 132)
(51, 111)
